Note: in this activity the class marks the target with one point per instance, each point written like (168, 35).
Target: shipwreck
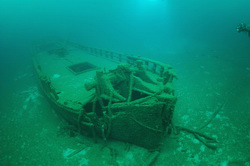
(107, 94)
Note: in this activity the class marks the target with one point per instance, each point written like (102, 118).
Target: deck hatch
(81, 67)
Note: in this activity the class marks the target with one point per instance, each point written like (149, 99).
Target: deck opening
(137, 95)
(81, 67)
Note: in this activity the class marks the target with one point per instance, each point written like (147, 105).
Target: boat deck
(69, 85)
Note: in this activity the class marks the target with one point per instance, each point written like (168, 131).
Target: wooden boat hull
(123, 103)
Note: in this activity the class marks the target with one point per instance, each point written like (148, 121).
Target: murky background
(197, 38)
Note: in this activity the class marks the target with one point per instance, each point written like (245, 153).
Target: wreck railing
(153, 66)
(156, 67)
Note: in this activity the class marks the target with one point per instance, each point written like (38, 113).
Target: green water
(197, 38)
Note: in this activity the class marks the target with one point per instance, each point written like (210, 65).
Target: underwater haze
(198, 38)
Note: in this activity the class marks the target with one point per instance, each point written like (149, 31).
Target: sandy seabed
(32, 134)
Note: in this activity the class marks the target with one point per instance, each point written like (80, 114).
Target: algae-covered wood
(68, 85)
(108, 94)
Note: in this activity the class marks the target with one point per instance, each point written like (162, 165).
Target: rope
(209, 140)
(94, 111)
(213, 116)
(131, 82)
(109, 115)
(147, 127)
(218, 109)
